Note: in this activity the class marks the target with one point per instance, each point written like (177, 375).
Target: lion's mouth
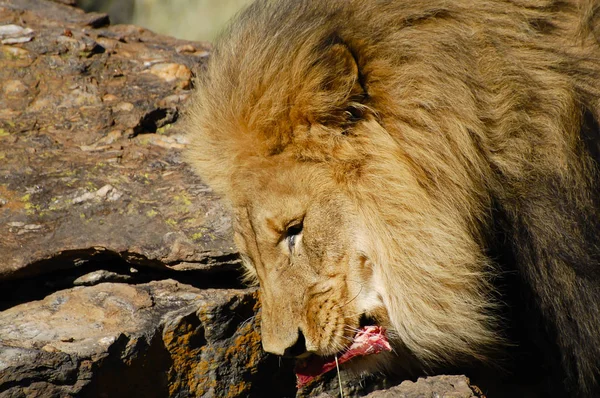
(368, 341)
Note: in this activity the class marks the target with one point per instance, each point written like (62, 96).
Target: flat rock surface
(89, 145)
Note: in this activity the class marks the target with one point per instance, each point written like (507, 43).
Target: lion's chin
(369, 340)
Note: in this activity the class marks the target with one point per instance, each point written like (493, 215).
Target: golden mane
(449, 131)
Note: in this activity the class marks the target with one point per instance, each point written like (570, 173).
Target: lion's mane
(465, 131)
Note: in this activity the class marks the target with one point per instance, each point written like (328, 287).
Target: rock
(431, 387)
(100, 276)
(13, 34)
(171, 72)
(157, 339)
(425, 387)
(89, 146)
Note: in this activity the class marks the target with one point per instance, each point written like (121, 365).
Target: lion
(429, 167)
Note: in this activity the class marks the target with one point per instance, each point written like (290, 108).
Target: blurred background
(184, 19)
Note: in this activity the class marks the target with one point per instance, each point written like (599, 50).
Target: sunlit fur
(429, 147)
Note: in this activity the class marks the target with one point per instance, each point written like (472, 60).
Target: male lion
(426, 166)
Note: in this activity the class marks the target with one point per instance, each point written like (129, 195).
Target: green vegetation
(185, 19)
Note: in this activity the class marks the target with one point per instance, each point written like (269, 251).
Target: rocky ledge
(118, 275)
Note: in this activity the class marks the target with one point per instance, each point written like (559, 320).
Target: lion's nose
(298, 348)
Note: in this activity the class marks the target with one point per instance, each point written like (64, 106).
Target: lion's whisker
(337, 365)
(251, 319)
(353, 298)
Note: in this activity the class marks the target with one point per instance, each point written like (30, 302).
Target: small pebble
(50, 348)
(124, 106)
(109, 98)
(14, 34)
(16, 52)
(15, 88)
(171, 72)
(185, 48)
(100, 276)
(14, 31)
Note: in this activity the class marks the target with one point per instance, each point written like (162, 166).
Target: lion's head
(327, 153)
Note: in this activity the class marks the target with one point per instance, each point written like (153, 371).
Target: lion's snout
(283, 344)
(298, 348)
(281, 328)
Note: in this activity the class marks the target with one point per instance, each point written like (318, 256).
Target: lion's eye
(292, 236)
(355, 113)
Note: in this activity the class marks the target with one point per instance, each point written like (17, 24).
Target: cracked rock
(68, 163)
(160, 339)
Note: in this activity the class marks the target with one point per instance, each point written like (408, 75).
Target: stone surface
(157, 339)
(443, 386)
(89, 145)
(431, 387)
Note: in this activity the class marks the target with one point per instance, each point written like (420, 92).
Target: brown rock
(431, 387)
(154, 340)
(90, 146)
(171, 71)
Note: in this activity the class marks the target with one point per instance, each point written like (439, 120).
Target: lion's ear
(334, 92)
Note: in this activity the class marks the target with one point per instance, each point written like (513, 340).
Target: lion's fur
(430, 147)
